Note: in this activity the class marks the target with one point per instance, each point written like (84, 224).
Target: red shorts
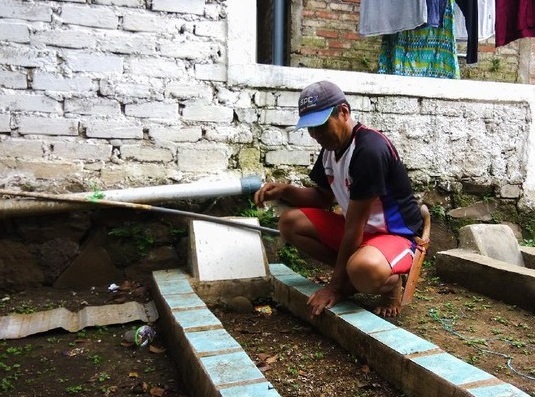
(397, 250)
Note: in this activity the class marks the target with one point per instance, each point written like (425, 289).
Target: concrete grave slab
(222, 252)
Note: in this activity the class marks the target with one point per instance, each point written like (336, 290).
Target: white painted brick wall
(175, 133)
(29, 103)
(25, 10)
(185, 7)
(72, 38)
(213, 29)
(156, 67)
(81, 150)
(181, 90)
(146, 153)
(126, 42)
(51, 82)
(112, 129)
(187, 49)
(10, 79)
(79, 61)
(97, 17)
(144, 22)
(216, 114)
(21, 148)
(27, 57)
(92, 106)
(156, 110)
(119, 3)
(5, 120)
(47, 169)
(203, 158)
(137, 75)
(211, 72)
(288, 157)
(14, 32)
(47, 126)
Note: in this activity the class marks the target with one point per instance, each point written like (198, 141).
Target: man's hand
(324, 298)
(269, 191)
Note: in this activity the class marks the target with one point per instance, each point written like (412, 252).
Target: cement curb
(213, 364)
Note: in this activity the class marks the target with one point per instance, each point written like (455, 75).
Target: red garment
(515, 19)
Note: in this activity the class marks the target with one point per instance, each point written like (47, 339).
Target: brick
(157, 110)
(182, 90)
(203, 158)
(217, 114)
(83, 62)
(112, 129)
(213, 29)
(51, 82)
(188, 49)
(47, 126)
(48, 169)
(289, 157)
(151, 23)
(120, 3)
(72, 38)
(29, 103)
(81, 150)
(93, 106)
(13, 79)
(175, 133)
(185, 7)
(280, 117)
(14, 32)
(146, 153)
(5, 123)
(130, 87)
(25, 10)
(136, 172)
(97, 17)
(27, 57)
(211, 72)
(156, 68)
(21, 148)
(126, 42)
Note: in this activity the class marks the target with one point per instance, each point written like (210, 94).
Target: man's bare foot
(390, 305)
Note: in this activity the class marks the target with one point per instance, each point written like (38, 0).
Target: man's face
(331, 135)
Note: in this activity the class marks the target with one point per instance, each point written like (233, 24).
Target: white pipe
(152, 194)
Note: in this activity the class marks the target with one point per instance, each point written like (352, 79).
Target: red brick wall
(328, 38)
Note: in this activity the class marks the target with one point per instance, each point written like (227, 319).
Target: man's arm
(294, 195)
(357, 216)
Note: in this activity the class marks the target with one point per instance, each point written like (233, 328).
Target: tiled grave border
(212, 363)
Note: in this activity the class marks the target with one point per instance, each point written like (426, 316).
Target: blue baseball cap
(317, 102)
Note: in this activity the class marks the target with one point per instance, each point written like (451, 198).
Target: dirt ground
(493, 336)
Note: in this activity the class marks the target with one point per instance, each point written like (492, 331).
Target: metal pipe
(278, 32)
(152, 194)
(90, 200)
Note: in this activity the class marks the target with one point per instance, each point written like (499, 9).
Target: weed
(290, 257)
(135, 233)
(438, 212)
(149, 369)
(95, 359)
(25, 308)
(103, 376)
(53, 339)
(74, 389)
(266, 217)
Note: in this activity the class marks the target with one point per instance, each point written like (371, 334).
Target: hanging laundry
(486, 11)
(516, 20)
(379, 17)
(435, 12)
(469, 9)
(423, 52)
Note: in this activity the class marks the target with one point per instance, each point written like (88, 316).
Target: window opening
(273, 27)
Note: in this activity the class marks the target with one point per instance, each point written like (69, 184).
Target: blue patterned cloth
(424, 52)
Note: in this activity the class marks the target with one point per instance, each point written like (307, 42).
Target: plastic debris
(113, 287)
(141, 336)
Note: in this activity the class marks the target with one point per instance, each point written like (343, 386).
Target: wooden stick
(93, 199)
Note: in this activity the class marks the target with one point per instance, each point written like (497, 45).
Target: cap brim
(314, 119)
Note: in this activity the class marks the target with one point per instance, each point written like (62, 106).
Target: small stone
(240, 304)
